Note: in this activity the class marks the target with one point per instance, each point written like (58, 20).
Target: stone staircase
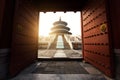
(66, 44)
(54, 43)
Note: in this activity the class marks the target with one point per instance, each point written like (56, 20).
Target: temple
(60, 36)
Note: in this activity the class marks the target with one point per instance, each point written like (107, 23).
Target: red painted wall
(24, 38)
(6, 23)
(2, 3)
(96, 43)
(114, 13)
(114, 21)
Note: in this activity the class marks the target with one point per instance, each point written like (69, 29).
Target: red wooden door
(96, 44)
(24, 38)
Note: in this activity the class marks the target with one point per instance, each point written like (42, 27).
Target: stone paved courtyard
(52, 53)
(60, 67)
(60, 70)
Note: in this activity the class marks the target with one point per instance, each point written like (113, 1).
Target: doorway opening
(60, 35)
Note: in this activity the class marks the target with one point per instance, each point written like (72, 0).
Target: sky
(47, 19)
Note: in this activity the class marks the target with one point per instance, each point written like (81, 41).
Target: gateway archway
(95, 28)
(58, 31)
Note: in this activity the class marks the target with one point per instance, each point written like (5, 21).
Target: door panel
(24, 38)
(96, 46)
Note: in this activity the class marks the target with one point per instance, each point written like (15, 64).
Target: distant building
(43, 42)
(76, 42)
(60, 32)
(60, 38)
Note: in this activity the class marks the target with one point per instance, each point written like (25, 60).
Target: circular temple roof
(60, 22)
(60, 32)
(60, 28)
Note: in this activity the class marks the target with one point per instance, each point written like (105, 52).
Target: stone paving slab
(46, 53)
(73, 53)
(60, 54)
(60, 67)
(27, 74)
(52, 54)
(59, 77)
